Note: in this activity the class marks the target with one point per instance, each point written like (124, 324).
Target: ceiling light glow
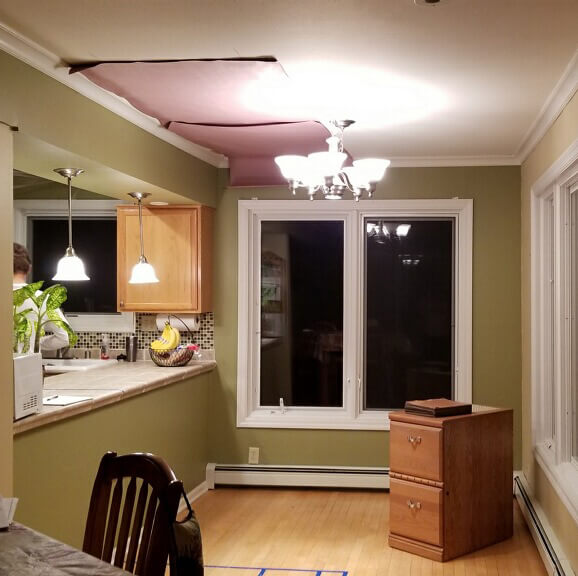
(373, 98)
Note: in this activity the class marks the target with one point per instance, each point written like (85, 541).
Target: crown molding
(48, 63)
(452, 161)
(556, 102)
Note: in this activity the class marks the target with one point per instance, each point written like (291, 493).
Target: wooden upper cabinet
(178, 243)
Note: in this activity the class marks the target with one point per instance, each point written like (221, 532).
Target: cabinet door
(171, 238)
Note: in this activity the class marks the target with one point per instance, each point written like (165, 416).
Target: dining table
(26, 552)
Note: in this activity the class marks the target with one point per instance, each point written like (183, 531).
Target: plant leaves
(54, 296)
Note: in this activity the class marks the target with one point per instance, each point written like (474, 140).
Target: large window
(348, 309)
(554, 327)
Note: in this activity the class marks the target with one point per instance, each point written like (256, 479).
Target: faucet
(62, 352)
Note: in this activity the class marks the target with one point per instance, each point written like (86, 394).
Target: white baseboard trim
(546, 542)
(302, 476)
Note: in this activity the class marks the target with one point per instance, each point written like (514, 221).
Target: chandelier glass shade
(324, 171)
(70, 267)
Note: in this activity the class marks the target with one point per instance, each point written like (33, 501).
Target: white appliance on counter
(27, 384)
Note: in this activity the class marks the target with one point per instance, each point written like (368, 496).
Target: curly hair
(22, 261)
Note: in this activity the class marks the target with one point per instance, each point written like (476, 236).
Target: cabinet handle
(414, 440)
(121, 303)
(413, 505)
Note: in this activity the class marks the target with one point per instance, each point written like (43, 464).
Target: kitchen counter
(108, 385)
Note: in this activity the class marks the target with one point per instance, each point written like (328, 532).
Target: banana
(166, 340)
(177, 335)
(169, 339)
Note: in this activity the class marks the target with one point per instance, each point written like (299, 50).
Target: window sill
(563, 477)
(313, 419)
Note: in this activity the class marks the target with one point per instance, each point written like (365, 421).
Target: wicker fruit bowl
(172, 357)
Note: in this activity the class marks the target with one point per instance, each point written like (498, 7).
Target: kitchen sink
(59, 365)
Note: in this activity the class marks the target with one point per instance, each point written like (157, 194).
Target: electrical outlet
(253, 455)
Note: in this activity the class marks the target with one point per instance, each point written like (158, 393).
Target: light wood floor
(344, 531)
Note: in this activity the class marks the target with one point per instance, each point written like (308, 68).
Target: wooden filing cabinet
(451, 488)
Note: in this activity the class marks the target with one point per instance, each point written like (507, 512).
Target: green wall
(496, 317)
(55, 465)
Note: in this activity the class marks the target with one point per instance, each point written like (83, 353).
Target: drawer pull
(413, 505)
(414, 440)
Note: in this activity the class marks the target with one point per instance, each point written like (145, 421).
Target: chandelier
(324, 172)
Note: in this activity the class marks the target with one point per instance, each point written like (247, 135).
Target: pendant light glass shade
(70, 267)
(142, 271)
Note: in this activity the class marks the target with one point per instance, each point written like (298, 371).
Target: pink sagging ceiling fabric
(251, 149)
(198, 91)
(205, 102)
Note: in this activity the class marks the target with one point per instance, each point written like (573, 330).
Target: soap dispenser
(104, 347)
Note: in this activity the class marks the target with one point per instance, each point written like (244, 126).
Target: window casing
(351, 413)
(554, 288)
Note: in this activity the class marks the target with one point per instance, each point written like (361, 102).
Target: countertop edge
(166, 377)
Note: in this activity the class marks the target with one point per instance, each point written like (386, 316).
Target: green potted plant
(32, 310)
(41, 308)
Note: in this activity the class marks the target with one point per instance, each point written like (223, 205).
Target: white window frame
(351, 415)
(26, 209)
(551, 343)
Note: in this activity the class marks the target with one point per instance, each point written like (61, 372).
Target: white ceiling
(494, 72)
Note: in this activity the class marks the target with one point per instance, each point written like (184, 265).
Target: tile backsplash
(203, 337)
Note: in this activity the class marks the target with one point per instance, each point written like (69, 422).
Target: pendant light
(142, 271)
(70, 266)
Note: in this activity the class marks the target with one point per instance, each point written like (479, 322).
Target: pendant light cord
(142, 256)
(69, 212)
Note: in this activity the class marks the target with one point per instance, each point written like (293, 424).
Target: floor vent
(305, 476)
(555, 564)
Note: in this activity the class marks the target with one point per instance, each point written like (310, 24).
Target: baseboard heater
(305, 476)
(555, 564)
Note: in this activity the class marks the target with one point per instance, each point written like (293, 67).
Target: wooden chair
(134, 503)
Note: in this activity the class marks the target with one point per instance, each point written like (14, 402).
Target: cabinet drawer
(415, 511)
(416, 450)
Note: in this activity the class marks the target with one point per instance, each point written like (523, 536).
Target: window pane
(94, 241)
(574, 329)
(409, 311)
(301, 313)
(550, 325)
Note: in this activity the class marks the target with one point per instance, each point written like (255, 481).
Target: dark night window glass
(409, 311)
(94, 241)
(301, 354)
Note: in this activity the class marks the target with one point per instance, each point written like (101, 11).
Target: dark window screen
(94, 241)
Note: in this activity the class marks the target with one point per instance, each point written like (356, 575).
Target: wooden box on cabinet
(178, 243)
(450, 482)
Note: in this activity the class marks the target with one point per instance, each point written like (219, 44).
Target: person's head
(22, 262)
